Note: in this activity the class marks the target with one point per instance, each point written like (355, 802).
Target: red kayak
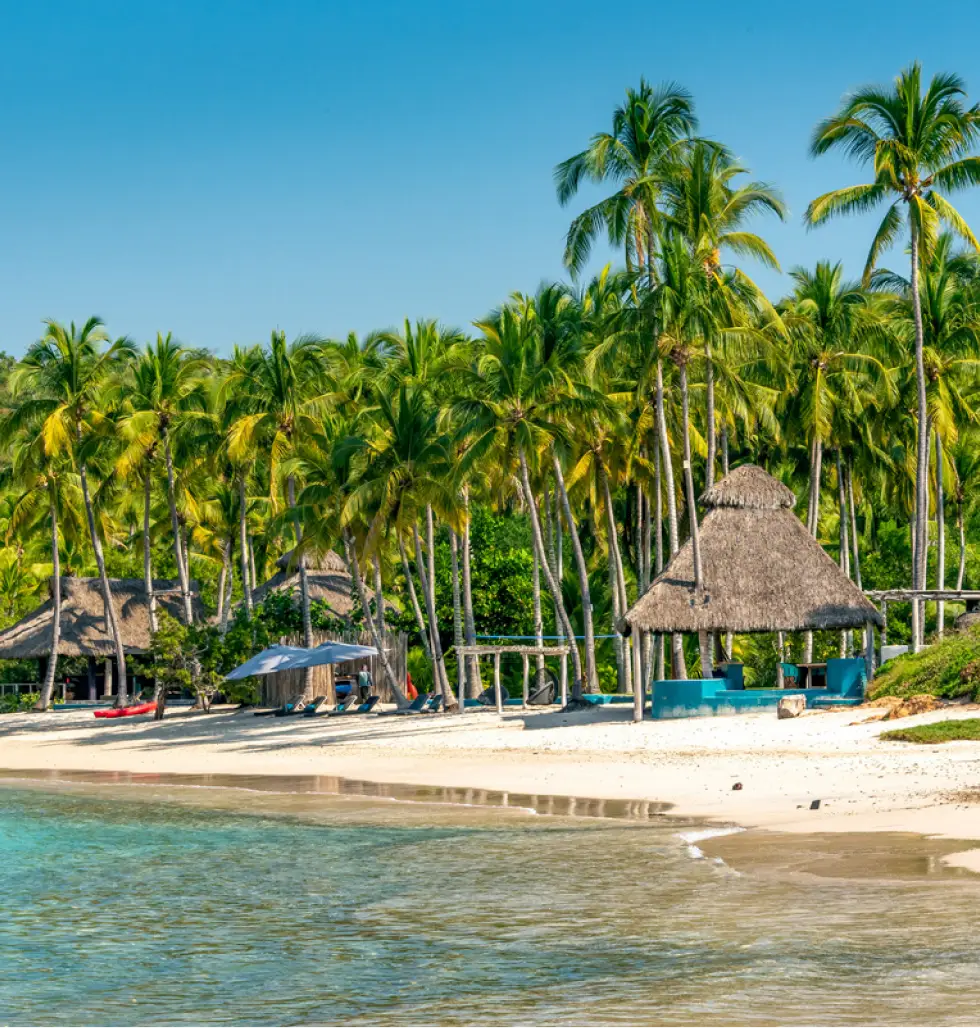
(140, 708)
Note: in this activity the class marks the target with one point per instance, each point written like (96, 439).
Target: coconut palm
(646, 131)
(62, 378)
(918, 142)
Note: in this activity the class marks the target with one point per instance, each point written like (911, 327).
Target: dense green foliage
(950, 668)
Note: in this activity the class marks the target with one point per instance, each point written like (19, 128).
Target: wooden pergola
(526, 652)
(886, 596)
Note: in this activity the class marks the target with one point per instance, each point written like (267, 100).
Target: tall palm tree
(62, 377)
(918, 142)
(645, 132)
(164, 390)
(270, 399)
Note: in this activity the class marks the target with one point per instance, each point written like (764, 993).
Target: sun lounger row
(429, 703)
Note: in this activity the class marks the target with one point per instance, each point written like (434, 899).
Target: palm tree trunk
(354, 570)
(473, 684)
(414, 599)
(430, 537)
(676, 640)
(709, 416)
(922, 447)
(253, 578)
(151, 596)
(182, 566)
(553, 586)
(619, 581)
(961, 528)
(704, 638)
(849, 475)
(813, 519)
(428, 594)
(243, 544)
(44, 700)
(615, 613)
(724, 449)
(658, 671)
(304, 586)
(843, 543)
(379, 597)
(591, 683)
(226, 584)
(538, 621)
(222, 579)
(558, 570)
(112, 622)
(457, 618)
(940, 537)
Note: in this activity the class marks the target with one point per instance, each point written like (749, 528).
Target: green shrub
(950, 669)
(938, 731)
(11, 703)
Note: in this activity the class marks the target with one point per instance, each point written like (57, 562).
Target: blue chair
(791, 673)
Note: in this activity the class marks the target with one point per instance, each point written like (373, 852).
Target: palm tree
(62, 376)
(270, 398)
(162, 393)
(918, 143)
(645, 132)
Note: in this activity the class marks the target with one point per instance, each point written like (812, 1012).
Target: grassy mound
(950, 669)
(939, 731)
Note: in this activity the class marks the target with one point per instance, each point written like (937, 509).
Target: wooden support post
(869, 652)
(564, 678)
(781, 639)
(884, 627)
(639, 685)
(496, 683)
(524, 683)
(92, 691)
(107, 680)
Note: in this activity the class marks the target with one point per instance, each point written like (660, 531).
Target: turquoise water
(121, 907)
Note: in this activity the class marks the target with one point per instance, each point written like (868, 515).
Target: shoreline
(686, 768)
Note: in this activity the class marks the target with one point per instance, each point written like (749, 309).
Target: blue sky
(219, 169)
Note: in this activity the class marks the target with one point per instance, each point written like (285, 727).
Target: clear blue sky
(219, 169)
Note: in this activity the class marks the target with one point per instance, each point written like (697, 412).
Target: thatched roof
(326, 579)
(83, 627)
(763, 571)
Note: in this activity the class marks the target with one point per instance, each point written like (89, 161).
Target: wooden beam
(496, 683)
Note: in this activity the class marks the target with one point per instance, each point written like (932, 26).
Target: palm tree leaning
(918, 143)
(63, 375)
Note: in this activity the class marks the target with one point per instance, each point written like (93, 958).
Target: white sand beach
(862, 783)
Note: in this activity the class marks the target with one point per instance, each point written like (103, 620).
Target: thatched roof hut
(763, 571)
(83, 627)
(326, 578)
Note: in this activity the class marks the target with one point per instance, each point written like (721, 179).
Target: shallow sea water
(137, 902)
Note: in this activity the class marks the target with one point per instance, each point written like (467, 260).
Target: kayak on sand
(140, 708)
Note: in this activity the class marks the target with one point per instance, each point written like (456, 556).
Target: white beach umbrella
(275, 658)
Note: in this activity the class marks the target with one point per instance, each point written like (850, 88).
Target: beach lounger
(361, 708)
(299, 707)
(311, 709)
(284, 709)
(417, 706)
(346, 704)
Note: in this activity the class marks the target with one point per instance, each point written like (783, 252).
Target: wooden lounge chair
(310, 709)
(284, 709)
(347, 703)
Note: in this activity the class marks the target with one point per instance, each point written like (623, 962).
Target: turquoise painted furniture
(710, 697)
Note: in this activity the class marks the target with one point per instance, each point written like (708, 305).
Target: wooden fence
(285, 685)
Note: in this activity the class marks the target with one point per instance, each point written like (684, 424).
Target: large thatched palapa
(83, 626)
(763, 571)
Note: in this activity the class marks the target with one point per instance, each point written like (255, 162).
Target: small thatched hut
(763, 571)
(83, 624)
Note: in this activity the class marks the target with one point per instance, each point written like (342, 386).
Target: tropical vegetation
(529, 475)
